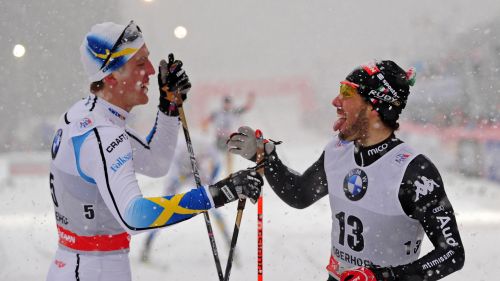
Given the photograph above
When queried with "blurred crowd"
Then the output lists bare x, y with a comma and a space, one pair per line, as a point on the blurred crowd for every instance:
461, 87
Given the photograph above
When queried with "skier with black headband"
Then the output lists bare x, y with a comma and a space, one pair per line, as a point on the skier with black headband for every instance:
384, 194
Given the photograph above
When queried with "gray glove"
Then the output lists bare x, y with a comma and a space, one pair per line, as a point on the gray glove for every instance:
240, 185
245, 143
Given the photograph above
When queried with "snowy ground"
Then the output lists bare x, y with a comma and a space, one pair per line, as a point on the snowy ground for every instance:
296, 242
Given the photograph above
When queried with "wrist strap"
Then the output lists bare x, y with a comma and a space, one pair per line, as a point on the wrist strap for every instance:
170, 110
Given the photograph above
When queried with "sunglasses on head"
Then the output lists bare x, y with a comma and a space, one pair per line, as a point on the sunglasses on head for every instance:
129, 34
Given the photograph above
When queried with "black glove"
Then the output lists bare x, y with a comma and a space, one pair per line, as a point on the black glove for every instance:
174, 85
240, 185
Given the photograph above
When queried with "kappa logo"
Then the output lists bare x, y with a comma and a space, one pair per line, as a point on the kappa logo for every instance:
85, 123
355, 184
425, 187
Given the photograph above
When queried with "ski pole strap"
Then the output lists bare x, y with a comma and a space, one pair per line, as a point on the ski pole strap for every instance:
259, 167
275, 142
241, 204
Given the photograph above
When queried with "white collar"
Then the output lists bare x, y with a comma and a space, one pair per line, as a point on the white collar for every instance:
113, 113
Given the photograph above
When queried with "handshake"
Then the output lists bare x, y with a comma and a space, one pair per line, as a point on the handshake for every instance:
246, 183
174, 85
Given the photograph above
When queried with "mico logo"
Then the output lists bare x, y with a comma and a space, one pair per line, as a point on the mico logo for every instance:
378, 149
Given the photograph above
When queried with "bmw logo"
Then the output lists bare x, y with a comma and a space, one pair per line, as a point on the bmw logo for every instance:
355, 184
56, 143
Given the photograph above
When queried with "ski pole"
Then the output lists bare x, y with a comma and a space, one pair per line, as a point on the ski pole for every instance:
234, 239
196, 175
260, 212
239, 215
260, 239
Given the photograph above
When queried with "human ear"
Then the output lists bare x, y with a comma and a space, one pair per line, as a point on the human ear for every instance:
110, 80
372, 111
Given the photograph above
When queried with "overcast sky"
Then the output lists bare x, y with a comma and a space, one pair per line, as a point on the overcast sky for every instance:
247, 39
319, 41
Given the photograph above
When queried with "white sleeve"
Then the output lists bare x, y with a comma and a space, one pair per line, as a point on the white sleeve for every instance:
153, 155
111, 164
112, 170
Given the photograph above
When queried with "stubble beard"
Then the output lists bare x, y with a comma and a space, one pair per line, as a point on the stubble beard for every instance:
359, 129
